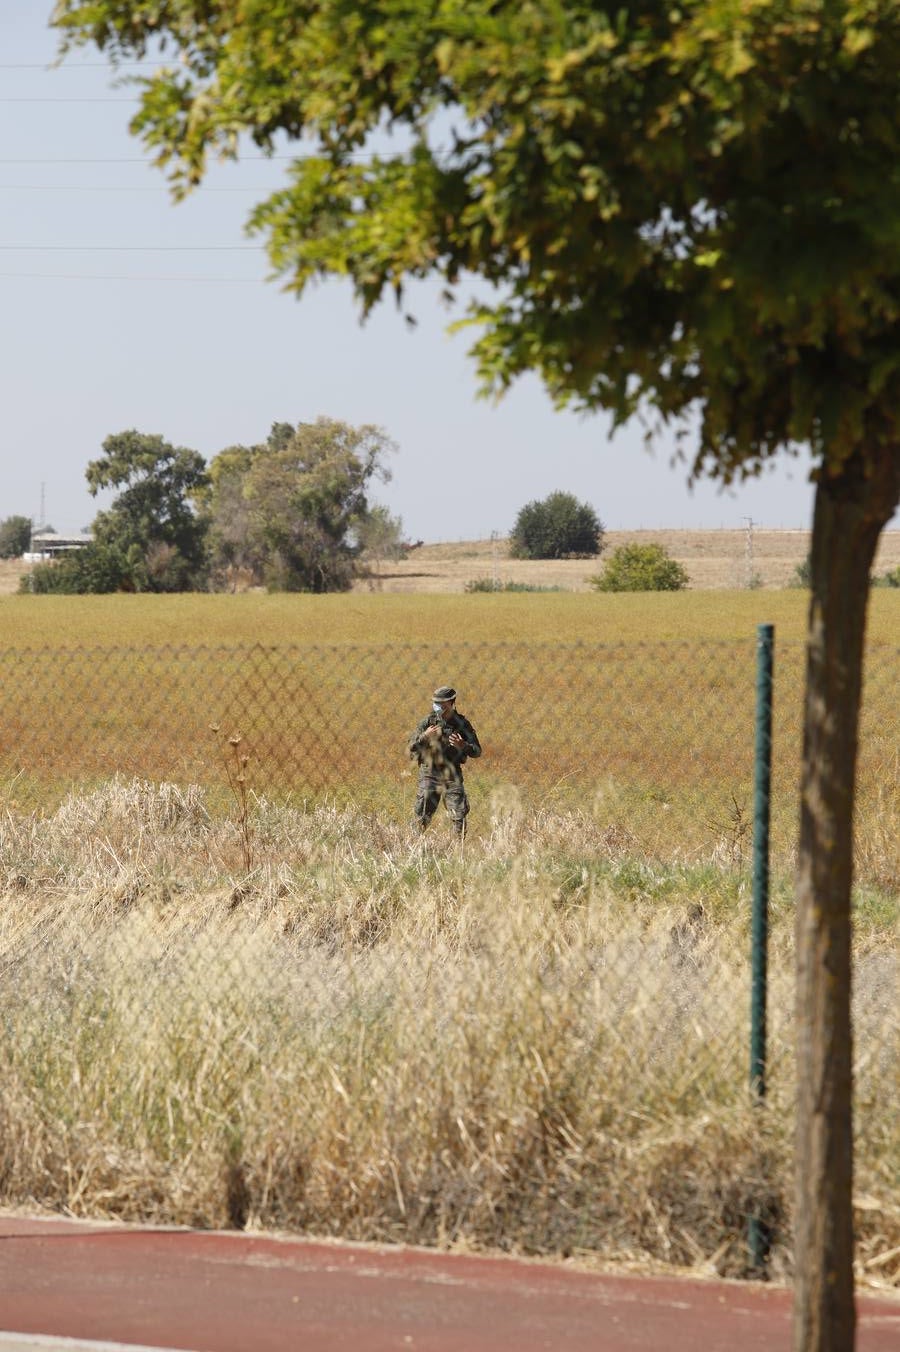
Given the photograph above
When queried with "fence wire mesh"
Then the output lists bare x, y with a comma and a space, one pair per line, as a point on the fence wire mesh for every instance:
237, 987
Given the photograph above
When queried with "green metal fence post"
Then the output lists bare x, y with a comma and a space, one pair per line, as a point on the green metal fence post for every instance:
758, 1236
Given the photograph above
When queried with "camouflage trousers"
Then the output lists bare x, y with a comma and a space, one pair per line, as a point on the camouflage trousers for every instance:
432, 787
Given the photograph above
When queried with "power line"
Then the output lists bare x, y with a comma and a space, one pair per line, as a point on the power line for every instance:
121, 277
355, 155
131, 248
26, 98
75, 187
128, 159
77, 65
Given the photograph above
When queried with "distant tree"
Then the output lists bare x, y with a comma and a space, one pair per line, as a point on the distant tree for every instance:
151, 530
559, 527
637, 567
379, 536
294, 511
234, 557
15, 537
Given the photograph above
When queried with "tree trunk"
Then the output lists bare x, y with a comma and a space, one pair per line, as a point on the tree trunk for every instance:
851, 509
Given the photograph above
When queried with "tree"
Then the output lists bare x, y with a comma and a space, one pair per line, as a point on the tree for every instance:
294, 511
151, 532
380, 537
560, 527
15, 537
636, 567
688, 209
233, 556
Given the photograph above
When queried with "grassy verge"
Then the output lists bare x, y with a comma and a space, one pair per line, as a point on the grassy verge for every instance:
539, 1046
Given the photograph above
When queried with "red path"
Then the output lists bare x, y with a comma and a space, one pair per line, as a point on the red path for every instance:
210, 1292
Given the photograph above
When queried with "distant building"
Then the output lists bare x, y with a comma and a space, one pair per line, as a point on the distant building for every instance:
48, 545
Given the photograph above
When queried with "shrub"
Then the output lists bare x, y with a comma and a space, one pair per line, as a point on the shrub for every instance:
638, 567
488, 584
802, 573
96, 568
803, 576
560, 527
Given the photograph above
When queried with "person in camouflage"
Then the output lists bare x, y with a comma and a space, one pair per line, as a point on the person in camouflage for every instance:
442, 743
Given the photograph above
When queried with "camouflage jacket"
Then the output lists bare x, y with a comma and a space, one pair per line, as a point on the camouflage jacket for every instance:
429, 751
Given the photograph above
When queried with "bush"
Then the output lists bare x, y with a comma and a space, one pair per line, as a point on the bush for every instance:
94, 569
803, 573
487, 584
803, 576
637, 567
560, 527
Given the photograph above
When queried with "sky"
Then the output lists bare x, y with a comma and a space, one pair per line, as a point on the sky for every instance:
121, 309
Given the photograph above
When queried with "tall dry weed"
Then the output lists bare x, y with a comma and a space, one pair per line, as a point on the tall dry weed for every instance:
539, 1046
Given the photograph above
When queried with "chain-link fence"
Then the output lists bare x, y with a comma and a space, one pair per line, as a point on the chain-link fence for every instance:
237, 988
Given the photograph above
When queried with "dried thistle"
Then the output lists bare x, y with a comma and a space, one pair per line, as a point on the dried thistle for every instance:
236, 770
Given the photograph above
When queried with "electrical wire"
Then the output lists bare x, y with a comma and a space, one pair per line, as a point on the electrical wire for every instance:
123, 277
130, 248
77, 187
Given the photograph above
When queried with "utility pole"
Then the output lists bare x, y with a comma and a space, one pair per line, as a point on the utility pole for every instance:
749, 521
495, 579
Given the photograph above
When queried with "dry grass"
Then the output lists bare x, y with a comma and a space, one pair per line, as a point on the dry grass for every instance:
538, 1047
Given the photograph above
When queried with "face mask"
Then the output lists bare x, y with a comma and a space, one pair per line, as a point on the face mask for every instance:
436, 708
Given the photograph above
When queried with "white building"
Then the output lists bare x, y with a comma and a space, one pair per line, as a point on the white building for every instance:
48, 545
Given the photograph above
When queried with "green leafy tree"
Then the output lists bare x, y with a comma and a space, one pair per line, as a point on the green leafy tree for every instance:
234, 557
151, 530
295, 510
559, 527
379, 536
637, 567
15, 537
689, 209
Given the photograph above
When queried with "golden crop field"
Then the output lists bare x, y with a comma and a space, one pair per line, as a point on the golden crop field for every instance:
639, 709
255, 617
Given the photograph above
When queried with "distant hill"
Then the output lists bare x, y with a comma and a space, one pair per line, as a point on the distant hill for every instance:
714, 559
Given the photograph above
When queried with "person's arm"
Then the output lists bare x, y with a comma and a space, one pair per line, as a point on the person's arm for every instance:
471, 744
424, 731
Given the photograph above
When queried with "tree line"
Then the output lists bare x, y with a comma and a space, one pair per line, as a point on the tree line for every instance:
292, 513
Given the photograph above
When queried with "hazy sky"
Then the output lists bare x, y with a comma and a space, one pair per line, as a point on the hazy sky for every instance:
125, 310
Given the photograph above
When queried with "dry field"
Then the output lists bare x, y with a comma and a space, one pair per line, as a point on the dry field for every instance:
714, 559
